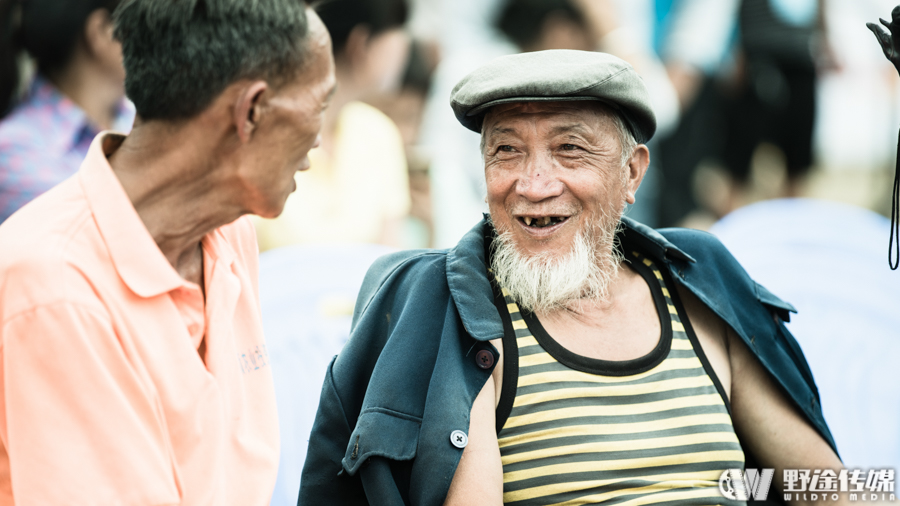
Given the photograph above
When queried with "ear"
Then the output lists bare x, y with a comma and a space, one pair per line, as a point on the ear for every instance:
98, 31
637, 168
357, 46
247, 109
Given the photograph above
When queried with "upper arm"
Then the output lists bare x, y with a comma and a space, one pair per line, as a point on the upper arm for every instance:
77, 421
712, 334
769, 426
480, 472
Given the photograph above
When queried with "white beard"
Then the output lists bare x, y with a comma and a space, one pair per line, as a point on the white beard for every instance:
544, 283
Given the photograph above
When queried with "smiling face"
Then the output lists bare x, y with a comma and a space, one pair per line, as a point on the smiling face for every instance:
553, 170
291, 121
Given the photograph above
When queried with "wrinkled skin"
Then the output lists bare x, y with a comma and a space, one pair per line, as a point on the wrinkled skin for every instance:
889, 40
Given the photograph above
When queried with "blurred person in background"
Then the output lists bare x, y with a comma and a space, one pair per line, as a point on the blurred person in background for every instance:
535, 25
761, 95
358, 188
772, 95
131, 346
406, 109
77, 92
694, 39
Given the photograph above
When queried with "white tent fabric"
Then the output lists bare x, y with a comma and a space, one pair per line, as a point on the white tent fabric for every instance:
830, 261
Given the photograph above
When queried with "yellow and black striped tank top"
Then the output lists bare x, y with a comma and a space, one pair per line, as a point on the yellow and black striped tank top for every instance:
575, 430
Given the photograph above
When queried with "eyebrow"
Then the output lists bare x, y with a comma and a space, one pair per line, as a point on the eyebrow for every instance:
500, 130
571, 128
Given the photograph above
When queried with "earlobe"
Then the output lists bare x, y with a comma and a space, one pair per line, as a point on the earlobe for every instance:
247, 110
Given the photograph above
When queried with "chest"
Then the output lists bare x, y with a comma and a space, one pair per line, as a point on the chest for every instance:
624, 329
218, 415
584, 430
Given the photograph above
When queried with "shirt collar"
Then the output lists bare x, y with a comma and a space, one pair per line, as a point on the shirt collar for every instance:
472, 292
135, 255
218, 249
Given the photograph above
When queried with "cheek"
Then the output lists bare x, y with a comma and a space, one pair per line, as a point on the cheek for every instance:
500, 184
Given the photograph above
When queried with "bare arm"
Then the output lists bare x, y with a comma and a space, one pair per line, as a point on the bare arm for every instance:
479, 476
769, 426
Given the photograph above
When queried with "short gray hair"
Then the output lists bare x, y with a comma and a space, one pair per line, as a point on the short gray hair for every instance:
179, 55
626, 139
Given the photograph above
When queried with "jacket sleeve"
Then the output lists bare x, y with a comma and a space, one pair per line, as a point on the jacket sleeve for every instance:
323, 481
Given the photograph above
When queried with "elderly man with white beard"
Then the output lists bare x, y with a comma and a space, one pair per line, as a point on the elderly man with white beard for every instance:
562, 353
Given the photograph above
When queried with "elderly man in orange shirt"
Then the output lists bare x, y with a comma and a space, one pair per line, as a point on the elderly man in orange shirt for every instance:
133, 368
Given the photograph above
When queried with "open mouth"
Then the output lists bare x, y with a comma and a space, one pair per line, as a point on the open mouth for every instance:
542, 221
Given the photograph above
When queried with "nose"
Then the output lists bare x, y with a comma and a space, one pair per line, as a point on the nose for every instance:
318, 141
538, 180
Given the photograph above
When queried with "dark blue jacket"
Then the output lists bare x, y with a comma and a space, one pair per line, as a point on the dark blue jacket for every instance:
407, 378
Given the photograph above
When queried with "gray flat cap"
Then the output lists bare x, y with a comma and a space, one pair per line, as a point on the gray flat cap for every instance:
555, 75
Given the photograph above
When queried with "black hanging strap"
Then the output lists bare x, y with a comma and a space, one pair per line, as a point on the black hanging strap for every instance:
894, 256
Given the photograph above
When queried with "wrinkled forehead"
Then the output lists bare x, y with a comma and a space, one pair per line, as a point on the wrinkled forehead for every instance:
589, 114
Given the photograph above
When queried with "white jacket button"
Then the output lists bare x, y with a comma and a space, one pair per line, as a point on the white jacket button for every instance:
459, 439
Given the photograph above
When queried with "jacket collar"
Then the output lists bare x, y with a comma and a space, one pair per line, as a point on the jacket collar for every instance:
471, 289
651, 242
469, 285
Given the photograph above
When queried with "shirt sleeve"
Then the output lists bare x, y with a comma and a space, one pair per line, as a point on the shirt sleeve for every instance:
78, 423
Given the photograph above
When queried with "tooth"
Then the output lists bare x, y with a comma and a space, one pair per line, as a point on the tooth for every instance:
545, 221
527, 220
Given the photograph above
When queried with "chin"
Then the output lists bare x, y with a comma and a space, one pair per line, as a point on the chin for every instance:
271, 209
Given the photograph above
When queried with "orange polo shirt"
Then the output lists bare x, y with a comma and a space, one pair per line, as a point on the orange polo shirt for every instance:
104, 398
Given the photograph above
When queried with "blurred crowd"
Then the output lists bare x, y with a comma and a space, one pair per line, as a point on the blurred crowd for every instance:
755, 100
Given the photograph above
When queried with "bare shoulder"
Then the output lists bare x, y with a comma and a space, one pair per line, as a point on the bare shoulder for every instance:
712, 334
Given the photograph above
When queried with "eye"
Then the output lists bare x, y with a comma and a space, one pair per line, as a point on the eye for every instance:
506, 148
569, 147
